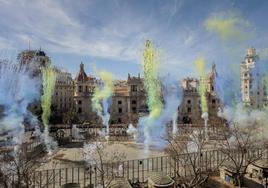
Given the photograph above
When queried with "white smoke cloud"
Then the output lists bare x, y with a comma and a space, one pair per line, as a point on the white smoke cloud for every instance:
132, 131
17, 90
171, 94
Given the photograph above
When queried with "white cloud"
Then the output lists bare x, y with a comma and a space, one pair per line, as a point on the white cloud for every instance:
116, 31
47, 24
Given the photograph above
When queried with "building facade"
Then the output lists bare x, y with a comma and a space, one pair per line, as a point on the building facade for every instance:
62, 100
83, 91
34, 59
253, 91
190, 107
128, 100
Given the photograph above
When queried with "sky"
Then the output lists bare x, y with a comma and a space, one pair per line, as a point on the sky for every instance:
111, 34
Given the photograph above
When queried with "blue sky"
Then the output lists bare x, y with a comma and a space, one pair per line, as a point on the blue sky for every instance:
111, 33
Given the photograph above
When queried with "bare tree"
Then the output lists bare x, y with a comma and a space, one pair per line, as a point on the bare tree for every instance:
18, 167
187, 149
105, 161
242, 146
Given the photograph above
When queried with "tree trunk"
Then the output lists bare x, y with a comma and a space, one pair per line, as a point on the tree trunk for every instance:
239, 179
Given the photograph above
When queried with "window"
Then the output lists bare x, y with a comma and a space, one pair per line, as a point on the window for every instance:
133, 102
86, 88
79, 102
189, 101
119, 102
134, 109
134, 88
80, 89
212, 88
79, 110
119, 120
119, 110
213, 101
189, 110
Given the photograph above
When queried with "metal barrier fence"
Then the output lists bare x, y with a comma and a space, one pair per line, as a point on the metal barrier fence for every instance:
133, 170
118, 132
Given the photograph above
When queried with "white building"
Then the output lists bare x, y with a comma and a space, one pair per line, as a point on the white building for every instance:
252, 87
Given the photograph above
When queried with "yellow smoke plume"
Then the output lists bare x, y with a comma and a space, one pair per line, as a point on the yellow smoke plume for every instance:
151, 80
202, 88
228, 26
49, 79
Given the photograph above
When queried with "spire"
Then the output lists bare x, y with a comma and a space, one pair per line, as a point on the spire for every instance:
81, 76
213, 72
214, 68
81, 66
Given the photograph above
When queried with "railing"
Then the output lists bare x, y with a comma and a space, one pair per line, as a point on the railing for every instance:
133, 170
118, 132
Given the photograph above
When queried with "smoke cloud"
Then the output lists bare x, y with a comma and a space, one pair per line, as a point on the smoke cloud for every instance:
49, 80
228, 26
18, 88
153, 90
101, 96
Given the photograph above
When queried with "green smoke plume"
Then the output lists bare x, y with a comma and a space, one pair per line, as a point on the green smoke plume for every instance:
151, 81
48, 80
152, 86
102, 93
200, 66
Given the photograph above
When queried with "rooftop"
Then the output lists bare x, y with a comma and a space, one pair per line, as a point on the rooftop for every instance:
81, 76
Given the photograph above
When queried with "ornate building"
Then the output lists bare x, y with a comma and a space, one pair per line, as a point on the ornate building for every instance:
190, 110
252, 86
34, 59
83, 90
128, 100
